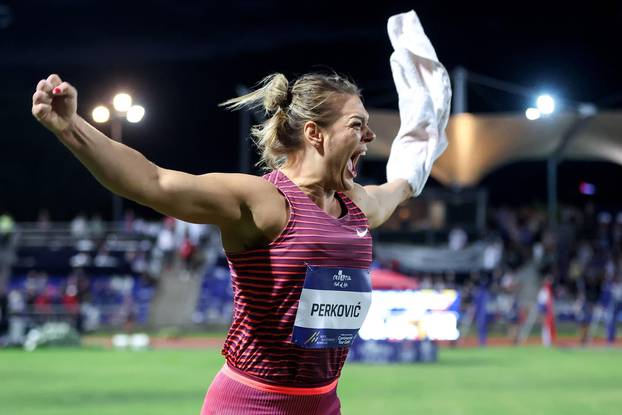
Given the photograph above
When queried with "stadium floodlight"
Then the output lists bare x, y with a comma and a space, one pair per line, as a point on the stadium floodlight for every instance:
546, 104
122, 102
135, 113
532, 114
100, 114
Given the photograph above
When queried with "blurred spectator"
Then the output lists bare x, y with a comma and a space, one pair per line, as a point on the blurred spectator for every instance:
614, 308
547, 312
4, 317
507, 299
43, 220
603, 235
80, 260
103, 259
7, 226
589, 290
492, 254
128, 221
71, 303
165, 243
187, 252
17, 321
457, 239
96, 226
79, 226
44, 300
138, 261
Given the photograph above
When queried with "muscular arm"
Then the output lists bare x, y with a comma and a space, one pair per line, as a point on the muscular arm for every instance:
210, 198
232, 201
378, 202
248, 210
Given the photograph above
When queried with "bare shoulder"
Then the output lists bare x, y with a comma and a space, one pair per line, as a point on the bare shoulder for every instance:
248, 186
358, 194
257, 195
378, 202
264, 213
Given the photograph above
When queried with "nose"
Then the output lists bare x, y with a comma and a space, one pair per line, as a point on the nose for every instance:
368, 136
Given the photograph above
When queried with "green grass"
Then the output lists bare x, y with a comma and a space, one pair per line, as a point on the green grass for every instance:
529, 380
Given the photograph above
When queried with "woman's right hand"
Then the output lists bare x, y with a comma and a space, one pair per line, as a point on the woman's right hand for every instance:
54, 104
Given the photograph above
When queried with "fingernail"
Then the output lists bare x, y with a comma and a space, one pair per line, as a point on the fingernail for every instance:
56, 90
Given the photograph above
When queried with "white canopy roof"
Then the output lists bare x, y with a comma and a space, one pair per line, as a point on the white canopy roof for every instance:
479, 144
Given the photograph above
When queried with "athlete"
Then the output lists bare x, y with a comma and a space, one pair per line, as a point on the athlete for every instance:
297, 239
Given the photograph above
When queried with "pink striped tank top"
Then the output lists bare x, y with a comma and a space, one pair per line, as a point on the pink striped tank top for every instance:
267, 286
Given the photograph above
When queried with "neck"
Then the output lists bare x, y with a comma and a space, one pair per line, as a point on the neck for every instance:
308, 178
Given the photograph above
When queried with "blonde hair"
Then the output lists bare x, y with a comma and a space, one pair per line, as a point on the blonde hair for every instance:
287, 109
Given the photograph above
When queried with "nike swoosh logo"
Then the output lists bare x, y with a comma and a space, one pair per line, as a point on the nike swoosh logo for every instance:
361, 233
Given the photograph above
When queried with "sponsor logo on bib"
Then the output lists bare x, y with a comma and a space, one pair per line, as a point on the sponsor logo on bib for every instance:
313, 338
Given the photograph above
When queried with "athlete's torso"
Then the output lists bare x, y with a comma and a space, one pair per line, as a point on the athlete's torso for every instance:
268, 282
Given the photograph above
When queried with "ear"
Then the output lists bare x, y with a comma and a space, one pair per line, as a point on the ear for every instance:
313, 134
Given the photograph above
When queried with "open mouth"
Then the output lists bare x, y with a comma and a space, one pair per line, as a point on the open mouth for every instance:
353, 162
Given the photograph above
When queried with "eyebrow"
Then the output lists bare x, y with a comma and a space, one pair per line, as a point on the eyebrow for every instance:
360, 117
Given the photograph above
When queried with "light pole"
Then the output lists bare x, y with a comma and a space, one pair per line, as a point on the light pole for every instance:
122, 108
545, 106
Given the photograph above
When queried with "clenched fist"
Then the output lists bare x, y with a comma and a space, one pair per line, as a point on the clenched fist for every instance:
54, 104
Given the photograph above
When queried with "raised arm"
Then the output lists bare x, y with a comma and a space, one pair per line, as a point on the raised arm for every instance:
424, 95
220, 199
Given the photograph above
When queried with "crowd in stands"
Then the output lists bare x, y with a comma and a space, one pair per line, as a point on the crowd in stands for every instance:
90, 273
581, 257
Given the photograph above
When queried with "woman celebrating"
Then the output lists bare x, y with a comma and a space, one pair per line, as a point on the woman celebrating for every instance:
297, 239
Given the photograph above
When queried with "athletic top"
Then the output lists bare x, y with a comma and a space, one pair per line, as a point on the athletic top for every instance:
267, 285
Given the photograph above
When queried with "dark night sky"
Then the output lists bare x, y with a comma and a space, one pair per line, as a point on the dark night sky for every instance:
180, 59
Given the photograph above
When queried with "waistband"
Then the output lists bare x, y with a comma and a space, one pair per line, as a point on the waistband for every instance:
265, 387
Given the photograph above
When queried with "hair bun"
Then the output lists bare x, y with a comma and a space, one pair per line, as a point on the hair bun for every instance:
277, 93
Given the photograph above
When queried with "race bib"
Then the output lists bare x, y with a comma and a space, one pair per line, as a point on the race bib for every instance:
332, 308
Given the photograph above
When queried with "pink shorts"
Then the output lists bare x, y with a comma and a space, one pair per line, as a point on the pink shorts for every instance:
234, 394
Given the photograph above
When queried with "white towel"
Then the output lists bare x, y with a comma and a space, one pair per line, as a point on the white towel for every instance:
424, 93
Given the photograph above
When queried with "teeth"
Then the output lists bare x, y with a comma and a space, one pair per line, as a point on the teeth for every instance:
350, 167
